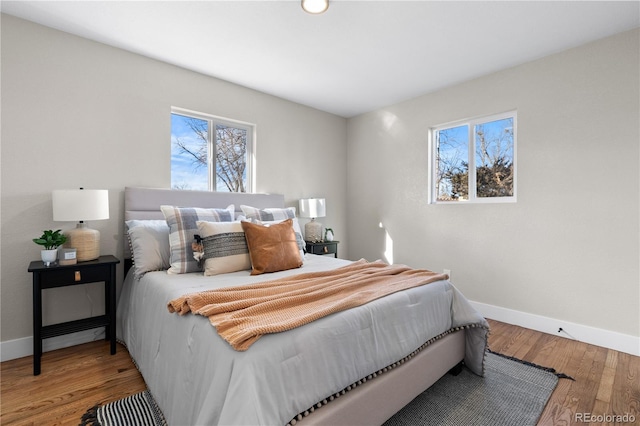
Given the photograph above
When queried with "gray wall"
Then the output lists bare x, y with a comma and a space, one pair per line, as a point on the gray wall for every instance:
569, 248
79, 113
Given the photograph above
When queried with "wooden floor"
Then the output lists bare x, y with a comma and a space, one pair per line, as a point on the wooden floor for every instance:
74, 379
607, 382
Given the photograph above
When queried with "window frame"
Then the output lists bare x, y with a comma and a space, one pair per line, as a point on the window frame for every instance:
212, 121
472, 184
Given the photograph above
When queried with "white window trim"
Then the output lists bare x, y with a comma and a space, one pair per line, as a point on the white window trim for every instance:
212, 121
473, 199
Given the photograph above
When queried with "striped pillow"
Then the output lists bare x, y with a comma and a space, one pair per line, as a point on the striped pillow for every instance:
268, 214
182, 228
225, 247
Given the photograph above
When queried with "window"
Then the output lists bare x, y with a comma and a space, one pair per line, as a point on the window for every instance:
209, 153
475, 160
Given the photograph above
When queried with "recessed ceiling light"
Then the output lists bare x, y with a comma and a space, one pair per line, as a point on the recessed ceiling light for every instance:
315, 6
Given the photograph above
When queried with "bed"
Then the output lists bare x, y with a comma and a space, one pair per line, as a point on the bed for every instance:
358, 366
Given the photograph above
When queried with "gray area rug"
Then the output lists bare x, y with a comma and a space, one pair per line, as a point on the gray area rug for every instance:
512, 393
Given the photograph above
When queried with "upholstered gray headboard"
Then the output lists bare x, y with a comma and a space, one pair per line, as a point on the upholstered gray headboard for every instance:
144, 203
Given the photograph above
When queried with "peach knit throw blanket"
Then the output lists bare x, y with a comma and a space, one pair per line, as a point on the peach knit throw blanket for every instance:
242, 314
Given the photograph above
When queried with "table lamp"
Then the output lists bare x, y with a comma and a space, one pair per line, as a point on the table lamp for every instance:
71, 205
315, 6
312, 208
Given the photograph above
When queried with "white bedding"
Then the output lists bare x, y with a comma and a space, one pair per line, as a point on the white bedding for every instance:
198, 379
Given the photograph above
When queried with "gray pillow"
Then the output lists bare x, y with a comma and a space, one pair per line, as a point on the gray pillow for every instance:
149, 240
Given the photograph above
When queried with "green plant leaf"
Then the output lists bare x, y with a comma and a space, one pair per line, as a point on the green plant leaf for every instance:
51, 239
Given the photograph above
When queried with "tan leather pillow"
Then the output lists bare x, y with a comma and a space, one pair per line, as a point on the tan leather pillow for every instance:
272, 248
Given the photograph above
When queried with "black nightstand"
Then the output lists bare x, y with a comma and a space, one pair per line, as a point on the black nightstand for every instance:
101, 269
323, 247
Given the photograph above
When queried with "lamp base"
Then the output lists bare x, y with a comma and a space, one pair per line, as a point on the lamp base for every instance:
85, 240
313, 231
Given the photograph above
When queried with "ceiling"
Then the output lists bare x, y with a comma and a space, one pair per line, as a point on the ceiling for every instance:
357, 57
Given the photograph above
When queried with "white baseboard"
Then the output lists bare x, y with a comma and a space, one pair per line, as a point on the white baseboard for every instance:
594, 336
18, 348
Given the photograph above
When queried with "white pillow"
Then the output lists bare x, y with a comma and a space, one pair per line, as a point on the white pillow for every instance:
149, 241
225, 247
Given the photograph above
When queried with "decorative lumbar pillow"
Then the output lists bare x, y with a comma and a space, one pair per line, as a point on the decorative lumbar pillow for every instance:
183, 227
225, 247
149, 240
272, 248
274, 215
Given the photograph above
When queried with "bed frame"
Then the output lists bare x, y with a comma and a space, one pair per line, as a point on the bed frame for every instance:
369, 403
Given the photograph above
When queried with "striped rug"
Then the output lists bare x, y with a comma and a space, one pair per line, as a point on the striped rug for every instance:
136, 410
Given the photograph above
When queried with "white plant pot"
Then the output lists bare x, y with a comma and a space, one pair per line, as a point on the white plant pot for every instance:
329, 236
49, 256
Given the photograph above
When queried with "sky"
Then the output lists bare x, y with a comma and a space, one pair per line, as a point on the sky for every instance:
183, 172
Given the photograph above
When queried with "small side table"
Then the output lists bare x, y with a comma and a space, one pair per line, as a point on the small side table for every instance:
101, 269
323, 247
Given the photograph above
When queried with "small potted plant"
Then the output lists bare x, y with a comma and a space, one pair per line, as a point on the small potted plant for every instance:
50, 240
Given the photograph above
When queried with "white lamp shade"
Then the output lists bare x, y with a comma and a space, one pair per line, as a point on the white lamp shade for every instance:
72, 205
312, 207
315, 6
